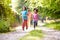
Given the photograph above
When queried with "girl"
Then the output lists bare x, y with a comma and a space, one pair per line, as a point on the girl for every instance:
24, 18
35, 17
29, 17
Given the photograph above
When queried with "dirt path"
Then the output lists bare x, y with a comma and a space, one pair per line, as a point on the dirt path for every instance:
15, 35
50, 34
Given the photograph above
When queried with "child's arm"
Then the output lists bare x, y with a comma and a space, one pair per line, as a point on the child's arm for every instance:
21, 14
38, 17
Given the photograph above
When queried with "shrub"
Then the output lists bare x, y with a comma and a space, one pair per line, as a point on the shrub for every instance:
4, 26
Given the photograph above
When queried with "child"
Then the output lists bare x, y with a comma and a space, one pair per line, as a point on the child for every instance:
35, 17
29, 17
24, 18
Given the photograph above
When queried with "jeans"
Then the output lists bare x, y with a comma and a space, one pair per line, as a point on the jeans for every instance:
35, 24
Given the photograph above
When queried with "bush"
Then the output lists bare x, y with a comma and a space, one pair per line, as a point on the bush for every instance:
4, 26
54, 25
7, 17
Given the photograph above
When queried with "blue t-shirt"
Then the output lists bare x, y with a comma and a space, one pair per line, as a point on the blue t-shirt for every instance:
24, 15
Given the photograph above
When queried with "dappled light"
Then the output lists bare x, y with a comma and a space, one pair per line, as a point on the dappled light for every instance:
29, 19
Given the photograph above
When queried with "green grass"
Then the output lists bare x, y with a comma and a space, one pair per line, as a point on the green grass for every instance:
33, 35
54, 25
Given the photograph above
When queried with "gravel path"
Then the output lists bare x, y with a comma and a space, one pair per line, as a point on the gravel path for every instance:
15, 35
50, 34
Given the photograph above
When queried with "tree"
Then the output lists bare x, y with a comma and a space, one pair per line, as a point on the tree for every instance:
50, 8
53, 6
6, 13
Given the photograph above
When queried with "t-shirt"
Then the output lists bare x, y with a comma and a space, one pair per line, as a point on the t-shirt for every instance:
24, 15
35, 17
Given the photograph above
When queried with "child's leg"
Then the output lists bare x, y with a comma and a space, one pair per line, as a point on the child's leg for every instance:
23, 25
26, 24
34, 24
31, 22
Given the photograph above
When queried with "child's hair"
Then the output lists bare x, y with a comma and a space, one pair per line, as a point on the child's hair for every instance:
29, 9
36, 9
25, 7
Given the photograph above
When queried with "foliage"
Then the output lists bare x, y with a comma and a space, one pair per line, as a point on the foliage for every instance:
36, 33
56, 25
7, 16
50, 8
53, 8
4, 26
33, 35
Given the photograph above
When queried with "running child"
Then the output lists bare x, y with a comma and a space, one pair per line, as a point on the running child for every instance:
35, 17
24, 18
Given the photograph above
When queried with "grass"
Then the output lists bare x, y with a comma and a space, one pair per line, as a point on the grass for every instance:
33, 35
54, 25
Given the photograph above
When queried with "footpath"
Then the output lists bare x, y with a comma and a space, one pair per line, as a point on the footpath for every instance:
49, 34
